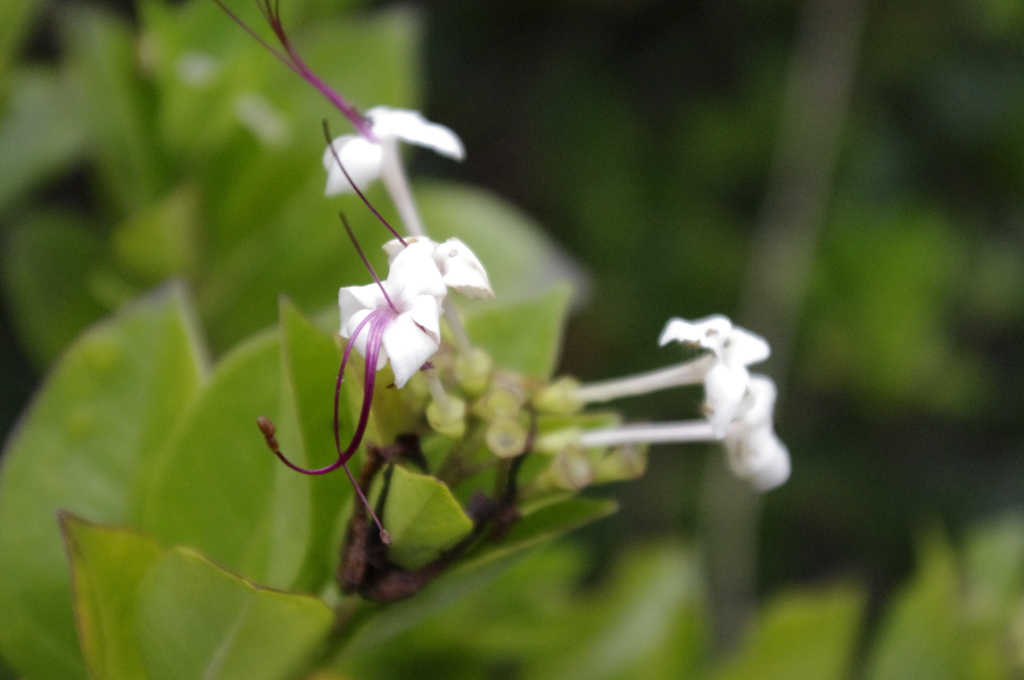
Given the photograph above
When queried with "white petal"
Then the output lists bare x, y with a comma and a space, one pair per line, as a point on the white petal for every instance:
710, 332
776, 472
394, 246
725, 390
414, 273
425, 311
744, 348
462, 271
354, 299
762, 412
362, 160
760, 458
412, 127
408, 347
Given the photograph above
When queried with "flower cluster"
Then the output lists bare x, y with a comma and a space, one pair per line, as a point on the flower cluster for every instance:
459, 394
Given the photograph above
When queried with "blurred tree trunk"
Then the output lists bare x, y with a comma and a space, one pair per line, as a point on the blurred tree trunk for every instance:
797, 196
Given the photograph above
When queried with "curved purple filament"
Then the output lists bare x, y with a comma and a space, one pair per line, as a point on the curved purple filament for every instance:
378, 321
366, 262
272, 13
366, 201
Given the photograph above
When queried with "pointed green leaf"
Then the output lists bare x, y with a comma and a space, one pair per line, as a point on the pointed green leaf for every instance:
212, 486
195, 620
523, 336
310, 360
648, 626
163, 239
422, 517
921, 635
90, 435
809, 634
521, 260
40, 132
51, 304
107, 566
103, 62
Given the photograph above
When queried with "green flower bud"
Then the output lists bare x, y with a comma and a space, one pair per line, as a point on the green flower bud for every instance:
559, 397
621, 463
473, 371
500, 403
571, 469
554, 442
448, 417
506, 438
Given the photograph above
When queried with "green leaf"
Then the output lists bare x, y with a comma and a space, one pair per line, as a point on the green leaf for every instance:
521, 260
215, 478
481, 568
994, 569
89, 437
808, 634
921, 635
15, 19
162, 240
107, 566
648, 627
310, 360
39, 133
195, 620
523, 336
422, 517
51, 303
102, 61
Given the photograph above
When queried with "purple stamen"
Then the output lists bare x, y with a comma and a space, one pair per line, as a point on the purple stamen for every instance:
291, 59
367, 262
337, 159
378, 321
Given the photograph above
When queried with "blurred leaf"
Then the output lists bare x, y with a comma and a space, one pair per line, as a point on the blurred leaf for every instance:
805, 635
50, 262
91, 434
212, 486
880, 303
520, 258
524, 614
994, 569
480, 569
310, 361
106, 567
922, 634
650, 627
994, 576
162, 240
523, 336
110, 98
15, 21
40, 133
196, 620
422, 517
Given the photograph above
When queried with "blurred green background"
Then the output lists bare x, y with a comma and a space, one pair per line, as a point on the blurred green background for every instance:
845, 177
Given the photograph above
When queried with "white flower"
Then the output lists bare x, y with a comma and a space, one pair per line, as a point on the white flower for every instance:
755, 453
459, 267
407, 333
363, 159
726, 384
